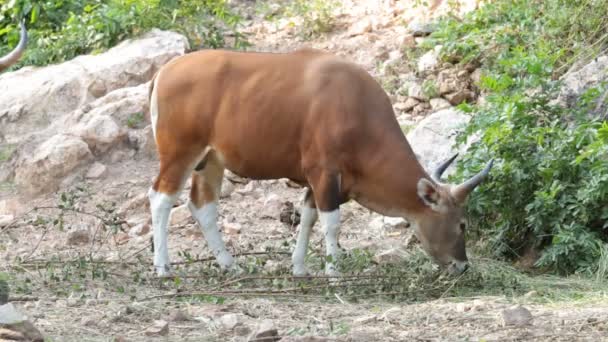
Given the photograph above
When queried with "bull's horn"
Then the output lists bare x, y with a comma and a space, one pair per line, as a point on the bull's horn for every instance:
14, 55
461, 191
441, 168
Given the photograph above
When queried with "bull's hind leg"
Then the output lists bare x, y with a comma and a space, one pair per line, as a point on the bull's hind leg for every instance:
162, 196
307, 221
204, 199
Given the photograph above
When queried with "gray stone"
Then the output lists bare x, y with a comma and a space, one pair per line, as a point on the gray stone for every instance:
516, 316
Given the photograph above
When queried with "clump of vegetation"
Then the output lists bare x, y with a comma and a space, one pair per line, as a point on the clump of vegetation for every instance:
317, 16
61, 30
549, 186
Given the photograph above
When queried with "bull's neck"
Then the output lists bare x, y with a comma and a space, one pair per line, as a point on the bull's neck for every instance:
395, 190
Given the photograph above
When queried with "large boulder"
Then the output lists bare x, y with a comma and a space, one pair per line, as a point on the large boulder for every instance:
33, 97
433, 139
577, 81
54, 159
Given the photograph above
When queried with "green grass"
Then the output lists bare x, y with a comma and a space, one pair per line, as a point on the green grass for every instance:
6, 151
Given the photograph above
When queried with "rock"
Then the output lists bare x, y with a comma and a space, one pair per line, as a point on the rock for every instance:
360, 27
421, 108
180, 216
447, 86
272, 206
230, 321
289, 215
313, 339
11, 206
516, 315
50, 163
439, 103
143, 141
396, 222
272, 266
194, 233
121, 238
406, 106
232, 228
31, 93
139, 202
179, 316
576, 81
101, 133
365, 319
459, 97
415, 91
242, 330
419, 28
160, 328
476, 76
248, 189
463, 307
392, 255
377, 223
6, 220
433, 139
139, 230
88, 322
78, 237
430, 60
96, 171
15, 326
265, 331
227, 189
408, 41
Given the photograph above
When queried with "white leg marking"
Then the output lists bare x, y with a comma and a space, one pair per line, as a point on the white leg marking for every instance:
160, 206
154, 105
207, 219
307, 221
330, 221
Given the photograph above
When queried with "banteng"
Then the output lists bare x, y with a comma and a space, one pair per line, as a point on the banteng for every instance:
308, 116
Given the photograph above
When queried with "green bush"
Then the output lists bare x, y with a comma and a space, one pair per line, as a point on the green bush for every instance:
549, 186
63, 29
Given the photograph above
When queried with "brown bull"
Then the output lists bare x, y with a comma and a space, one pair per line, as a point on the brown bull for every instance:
308, 116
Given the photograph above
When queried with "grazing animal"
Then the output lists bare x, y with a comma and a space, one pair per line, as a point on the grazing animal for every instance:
307, 116
13, 56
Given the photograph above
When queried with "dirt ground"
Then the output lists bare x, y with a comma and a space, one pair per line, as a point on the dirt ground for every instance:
118, 298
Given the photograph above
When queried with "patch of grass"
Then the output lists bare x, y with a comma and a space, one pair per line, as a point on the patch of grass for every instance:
135, 120
429, 88
317, 16
6, 151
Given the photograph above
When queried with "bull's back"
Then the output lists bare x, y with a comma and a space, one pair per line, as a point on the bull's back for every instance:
263, 111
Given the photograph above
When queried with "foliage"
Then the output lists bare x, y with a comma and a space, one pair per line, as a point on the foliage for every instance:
549, 186
317, 16
61, 30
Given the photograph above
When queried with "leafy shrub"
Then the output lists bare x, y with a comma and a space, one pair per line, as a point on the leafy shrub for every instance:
317, 16
61, 30
549, 186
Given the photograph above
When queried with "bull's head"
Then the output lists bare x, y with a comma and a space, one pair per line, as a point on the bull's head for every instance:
441, 228
14, 55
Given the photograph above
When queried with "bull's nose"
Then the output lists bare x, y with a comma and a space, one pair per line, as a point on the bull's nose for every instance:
458, 267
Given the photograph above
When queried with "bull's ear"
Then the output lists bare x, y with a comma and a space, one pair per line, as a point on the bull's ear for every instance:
427, 191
